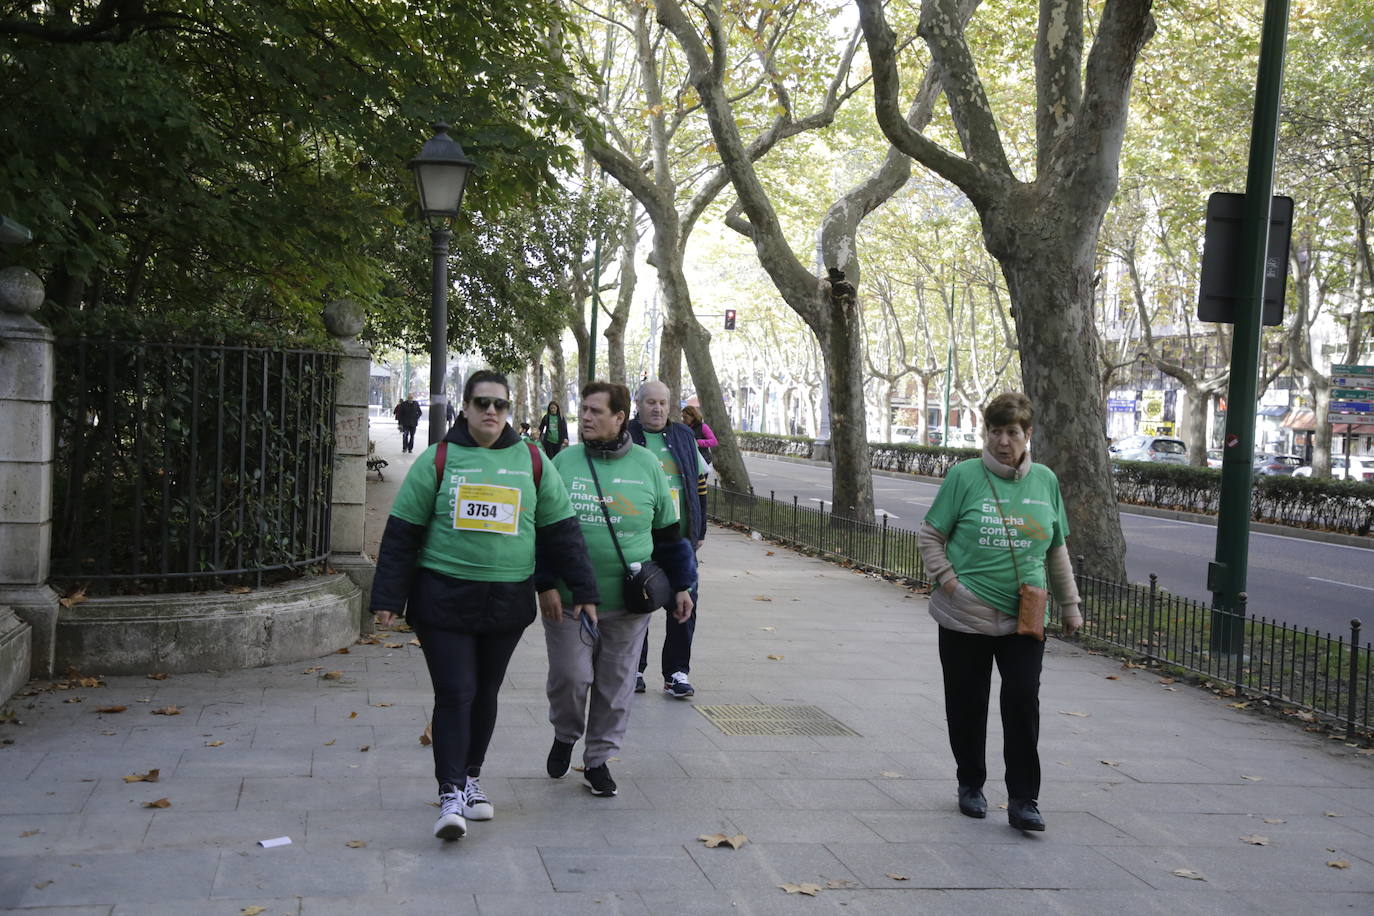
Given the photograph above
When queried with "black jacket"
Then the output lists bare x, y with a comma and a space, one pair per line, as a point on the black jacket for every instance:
409, 413
562, 426
682, 445
431, 598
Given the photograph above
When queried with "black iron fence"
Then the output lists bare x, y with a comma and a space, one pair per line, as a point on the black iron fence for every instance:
1317, 674
180, 467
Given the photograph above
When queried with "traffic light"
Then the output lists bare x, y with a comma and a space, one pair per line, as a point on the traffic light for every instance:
729, 319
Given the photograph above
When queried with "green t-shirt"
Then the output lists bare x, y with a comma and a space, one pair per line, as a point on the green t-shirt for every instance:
657, 443
967, 514
481, 521
551, 431
638, 499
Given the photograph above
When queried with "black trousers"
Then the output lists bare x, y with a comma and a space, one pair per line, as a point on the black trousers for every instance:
466, 672
966, 659
552, 448
677, 642
407, 438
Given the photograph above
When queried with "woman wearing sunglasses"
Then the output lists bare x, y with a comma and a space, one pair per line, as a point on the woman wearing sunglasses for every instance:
629, 516
457, 559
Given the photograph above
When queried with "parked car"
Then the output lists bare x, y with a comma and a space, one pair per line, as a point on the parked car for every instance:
1163, 449
1214, 457
1268, 464
1357, 467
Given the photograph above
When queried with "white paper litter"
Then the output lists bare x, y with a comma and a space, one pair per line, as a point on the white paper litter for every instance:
275, 841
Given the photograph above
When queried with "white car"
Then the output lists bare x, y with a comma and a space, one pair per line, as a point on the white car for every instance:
1357, 467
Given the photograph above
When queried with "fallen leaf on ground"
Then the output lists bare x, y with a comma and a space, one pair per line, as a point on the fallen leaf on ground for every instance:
402, 627
776, 658
1112, 677
1244, 705
414, 642
837, 883
72, 700
356, 844
160, 676
1338, 863
330, 742
29, 833
1252, 778
382, 705
1275, 820
253, 910
312, 669
768, 629
1365, 751
1069, 712
888, 774
343, 651
712, 840
332, 675
214, 743
762, 598
1255, 840
1188, 873
150, 776
42, 884
427, 736
160, 803
1331, 814
809, 890
768, 553
353, 715
166, 711
392, 645
365, 748
76, 596
1166, 680
1112, 763
238, 590
896, 877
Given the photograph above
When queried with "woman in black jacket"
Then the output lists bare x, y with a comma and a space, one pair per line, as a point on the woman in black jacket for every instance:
457, 559
553, 430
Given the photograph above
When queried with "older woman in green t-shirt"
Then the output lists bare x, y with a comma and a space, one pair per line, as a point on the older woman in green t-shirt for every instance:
622, 499
997, 522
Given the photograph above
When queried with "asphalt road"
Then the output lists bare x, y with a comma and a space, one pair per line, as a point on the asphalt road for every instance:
1299, 582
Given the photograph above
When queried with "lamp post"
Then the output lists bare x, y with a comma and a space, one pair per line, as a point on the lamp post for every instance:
441, 172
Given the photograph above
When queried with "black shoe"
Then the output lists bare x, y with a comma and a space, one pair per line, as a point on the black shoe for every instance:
560, 759
599, 781
640, 686
972, 803
1024, 815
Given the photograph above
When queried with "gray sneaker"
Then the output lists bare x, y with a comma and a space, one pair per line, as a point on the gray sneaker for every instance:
475, 804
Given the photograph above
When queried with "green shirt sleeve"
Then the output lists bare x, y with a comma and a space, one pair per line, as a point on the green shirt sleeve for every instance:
665, 507
1061, 521
552, 504
415, 500
949, 500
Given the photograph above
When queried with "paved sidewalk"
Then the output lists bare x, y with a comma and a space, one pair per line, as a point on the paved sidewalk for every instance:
1141, 781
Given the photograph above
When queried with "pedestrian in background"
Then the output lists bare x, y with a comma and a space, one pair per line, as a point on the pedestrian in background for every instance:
675, 447
408, 413
997, 523
628, 517
553, 430
706, 440
457, 560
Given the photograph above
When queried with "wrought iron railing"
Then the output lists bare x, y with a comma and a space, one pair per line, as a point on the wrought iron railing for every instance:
1322, 674
180, 467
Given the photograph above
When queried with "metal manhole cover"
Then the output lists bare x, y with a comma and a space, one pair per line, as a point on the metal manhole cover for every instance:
779, 721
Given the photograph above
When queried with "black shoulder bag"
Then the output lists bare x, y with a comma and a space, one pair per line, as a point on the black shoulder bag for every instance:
646, 589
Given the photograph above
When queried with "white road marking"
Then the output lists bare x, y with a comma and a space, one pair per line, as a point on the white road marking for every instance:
1337, 582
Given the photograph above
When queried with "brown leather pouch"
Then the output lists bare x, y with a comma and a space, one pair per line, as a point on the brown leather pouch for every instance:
1030, 613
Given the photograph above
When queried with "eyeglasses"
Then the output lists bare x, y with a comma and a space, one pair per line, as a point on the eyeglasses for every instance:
483, 403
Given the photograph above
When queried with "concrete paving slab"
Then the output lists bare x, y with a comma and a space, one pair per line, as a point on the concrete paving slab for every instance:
236, 831
294, 793
469, 866
623, 869
404, 901
565, 904
80, 879
293, 870
115, 796
761, 867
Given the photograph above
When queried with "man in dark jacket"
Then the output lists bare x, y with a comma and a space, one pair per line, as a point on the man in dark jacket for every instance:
675, 446
408, 414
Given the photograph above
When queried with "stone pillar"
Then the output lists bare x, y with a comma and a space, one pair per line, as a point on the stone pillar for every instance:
344, 320
26, 471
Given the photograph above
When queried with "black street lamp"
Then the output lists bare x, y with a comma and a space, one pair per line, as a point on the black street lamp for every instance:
441, 172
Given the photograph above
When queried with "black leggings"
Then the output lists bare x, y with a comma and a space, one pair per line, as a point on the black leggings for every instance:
466, 672
966, 659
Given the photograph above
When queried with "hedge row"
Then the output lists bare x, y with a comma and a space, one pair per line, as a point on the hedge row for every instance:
1342, 506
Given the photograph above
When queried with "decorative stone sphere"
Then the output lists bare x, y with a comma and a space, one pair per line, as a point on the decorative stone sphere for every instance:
21, 291
344, 318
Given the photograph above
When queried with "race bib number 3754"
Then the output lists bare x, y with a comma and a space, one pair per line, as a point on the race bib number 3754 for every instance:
481, 507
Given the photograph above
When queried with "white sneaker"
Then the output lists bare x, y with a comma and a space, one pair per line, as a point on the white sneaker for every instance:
450, 825
475, 804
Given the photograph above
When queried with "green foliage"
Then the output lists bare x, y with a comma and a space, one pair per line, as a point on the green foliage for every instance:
248, 157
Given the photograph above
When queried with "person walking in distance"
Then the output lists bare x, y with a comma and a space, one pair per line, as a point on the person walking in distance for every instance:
457, 559
408, 415
675, 446
628, 517
553, 430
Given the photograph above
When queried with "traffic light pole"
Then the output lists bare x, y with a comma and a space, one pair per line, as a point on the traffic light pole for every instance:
1226, 577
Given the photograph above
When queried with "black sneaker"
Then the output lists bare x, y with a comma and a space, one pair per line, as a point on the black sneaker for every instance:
1023, 814
677, 685
599, 781
560, 759
640, 686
